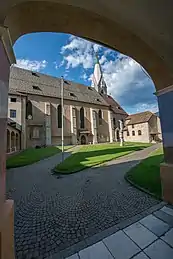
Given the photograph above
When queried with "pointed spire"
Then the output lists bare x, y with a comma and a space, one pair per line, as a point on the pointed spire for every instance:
96, 59
98, 80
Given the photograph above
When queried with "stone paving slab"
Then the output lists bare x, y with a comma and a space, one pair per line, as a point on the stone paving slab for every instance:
140, 235
141, 256
168, 237
75, 256
121, 246
164, 217
157, 226
159, 250
167, 210
97, 250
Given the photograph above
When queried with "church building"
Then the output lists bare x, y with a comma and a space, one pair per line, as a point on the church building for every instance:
35, 111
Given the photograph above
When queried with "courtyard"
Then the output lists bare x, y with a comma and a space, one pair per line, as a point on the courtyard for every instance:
56, 212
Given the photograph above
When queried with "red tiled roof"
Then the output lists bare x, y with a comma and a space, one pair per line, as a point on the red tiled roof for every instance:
139, 117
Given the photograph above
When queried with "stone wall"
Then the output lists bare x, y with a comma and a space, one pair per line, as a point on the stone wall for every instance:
144, 137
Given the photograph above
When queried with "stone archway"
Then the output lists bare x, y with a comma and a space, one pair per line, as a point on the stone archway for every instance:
13, 141
120, 25
8, 141
83, 140
17, 142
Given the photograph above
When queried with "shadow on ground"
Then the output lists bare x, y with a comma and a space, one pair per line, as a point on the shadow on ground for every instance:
84, 159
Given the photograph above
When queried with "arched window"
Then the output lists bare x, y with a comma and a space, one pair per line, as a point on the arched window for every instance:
114, 122
82, 118
59, 111
133, 133
100, 117
139, 133
128, 133
13, 141
29, 110
8, 141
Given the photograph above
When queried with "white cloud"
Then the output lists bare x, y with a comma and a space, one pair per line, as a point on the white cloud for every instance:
144, 107
103, 59
84, 76
33, 65
79, 52
128, 83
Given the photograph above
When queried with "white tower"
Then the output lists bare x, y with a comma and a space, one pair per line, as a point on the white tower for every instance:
98, 81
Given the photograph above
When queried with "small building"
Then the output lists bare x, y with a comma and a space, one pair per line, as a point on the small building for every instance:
143, 127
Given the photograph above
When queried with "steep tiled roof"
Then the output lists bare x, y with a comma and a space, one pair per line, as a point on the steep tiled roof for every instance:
113, 104
27, 82
139, 117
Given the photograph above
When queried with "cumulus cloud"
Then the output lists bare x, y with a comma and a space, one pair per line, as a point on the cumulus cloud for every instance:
128, 83
79, 52
125, 79
84, 76
33, 65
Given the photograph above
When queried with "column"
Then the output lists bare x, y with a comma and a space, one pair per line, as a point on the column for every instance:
110, 126
6, 207
165, 101
48, 134
23, 120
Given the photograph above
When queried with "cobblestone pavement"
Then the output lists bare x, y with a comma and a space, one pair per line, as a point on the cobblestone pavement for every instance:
53, 213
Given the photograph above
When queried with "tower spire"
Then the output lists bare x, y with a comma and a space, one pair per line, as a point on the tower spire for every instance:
98, 81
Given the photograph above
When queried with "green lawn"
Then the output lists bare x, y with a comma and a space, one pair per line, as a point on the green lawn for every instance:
91, 155
32, 155
146, 175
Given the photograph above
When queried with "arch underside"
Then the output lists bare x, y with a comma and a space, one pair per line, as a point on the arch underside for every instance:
47, 16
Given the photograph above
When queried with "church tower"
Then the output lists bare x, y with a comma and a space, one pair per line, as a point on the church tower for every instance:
98, 81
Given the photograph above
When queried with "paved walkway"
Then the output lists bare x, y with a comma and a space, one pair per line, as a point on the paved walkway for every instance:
52, 214
151, 237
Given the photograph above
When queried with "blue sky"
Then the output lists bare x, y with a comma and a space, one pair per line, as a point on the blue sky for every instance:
59, 54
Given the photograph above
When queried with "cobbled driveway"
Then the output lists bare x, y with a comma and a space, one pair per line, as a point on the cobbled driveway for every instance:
52, 213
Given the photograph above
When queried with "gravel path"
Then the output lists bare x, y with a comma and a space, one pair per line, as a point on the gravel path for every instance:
53, 213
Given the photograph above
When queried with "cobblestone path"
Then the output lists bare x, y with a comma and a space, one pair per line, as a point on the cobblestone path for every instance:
52, 213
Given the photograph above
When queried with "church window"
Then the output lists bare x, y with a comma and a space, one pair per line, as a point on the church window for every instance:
133, 133
82, 118
100, 117
35, 132
35, 87
133, 126
72, 94
139, 133
35, 74
98, 100
28, 110
12, 113
47, 109
114, 122
13, 99
128, 133
59, 111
